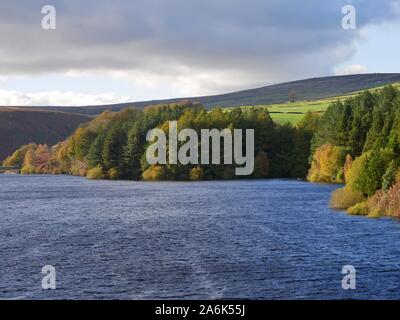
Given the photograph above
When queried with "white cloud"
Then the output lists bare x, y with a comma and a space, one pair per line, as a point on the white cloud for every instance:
58, 98
351, 69
3, 80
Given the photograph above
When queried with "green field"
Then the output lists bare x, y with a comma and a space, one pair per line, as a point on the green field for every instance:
293, 112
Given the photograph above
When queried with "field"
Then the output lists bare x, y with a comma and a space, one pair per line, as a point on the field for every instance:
293, 112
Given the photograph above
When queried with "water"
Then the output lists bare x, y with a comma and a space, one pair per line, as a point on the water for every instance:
271, 239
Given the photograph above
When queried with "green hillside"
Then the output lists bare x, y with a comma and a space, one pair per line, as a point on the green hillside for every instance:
292, 112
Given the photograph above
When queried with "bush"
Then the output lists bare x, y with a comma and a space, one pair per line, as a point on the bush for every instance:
345, 198
154, 173
29, 169
79, 168
375, 213
56, 171
197, 173
39, 170
359, 209
95, 173
386, 202
113, 173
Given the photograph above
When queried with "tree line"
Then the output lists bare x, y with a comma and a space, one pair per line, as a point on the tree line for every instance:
113, 145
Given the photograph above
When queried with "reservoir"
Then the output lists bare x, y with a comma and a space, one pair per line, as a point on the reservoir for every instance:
258, 239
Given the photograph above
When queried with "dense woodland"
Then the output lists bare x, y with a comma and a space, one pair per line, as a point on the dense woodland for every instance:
357, 142
114, 144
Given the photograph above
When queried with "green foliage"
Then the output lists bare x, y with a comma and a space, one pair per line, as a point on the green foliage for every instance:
370, 178
261, 165
389, 177
369, 126
114, 145
94, 156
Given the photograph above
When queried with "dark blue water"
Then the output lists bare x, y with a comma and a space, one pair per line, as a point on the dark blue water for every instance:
271, 239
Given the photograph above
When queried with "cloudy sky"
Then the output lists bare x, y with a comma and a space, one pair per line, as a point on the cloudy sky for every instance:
128, 50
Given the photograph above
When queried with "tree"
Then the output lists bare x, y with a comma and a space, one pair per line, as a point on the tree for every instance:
375, 166
389, 177
113, 146
95, 152
261, 165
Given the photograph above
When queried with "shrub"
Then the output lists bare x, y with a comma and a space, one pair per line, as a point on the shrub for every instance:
375, 213
359, 209
56, 171
95, 173
154, 173
39, 170
113, 173
79, 168
197, 173
28, 169
386, 202
344, 198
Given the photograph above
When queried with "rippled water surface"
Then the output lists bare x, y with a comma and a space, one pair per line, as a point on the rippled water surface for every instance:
271, 239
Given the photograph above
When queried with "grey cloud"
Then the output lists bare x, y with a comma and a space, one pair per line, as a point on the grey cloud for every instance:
256, 39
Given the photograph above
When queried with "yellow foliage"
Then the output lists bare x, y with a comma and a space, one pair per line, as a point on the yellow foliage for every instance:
358, 209
95, 173
28, 169
30, 158
154, 173
113, 173
79, 168
41, 149
344, 198
355, 170
197, 173
17, 158
327, 165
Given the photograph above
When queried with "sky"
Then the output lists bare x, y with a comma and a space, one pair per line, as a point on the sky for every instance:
103, 52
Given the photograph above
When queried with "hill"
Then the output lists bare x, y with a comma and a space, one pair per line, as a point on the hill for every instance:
308, 89
20, 126
293, 112
49, 125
